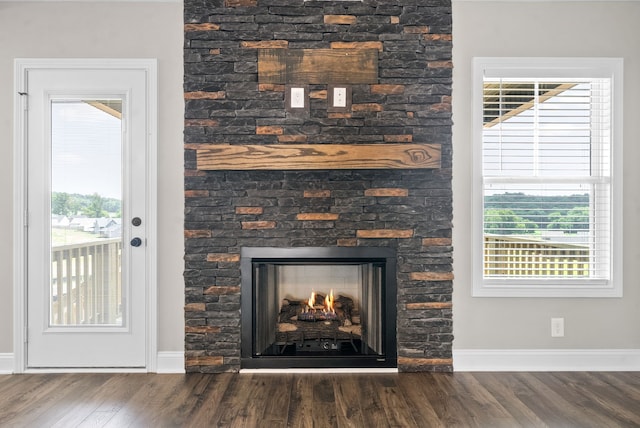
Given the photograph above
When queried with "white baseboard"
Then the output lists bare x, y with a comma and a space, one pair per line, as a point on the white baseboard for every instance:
473, 360
167, 362
170, 362
6, 363
529, 360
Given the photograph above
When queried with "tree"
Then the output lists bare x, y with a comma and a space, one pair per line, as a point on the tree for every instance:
95, 207
506, 222
61, 203
112, 205
575, 219
536, 207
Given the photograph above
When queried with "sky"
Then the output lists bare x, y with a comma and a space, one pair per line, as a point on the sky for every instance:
86, 150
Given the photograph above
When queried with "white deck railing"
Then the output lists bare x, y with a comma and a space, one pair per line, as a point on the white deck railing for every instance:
86, 285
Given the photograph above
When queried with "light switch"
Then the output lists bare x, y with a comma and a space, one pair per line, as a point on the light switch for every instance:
297, 98
339, 97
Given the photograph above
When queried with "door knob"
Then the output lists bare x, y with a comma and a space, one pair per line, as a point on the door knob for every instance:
136, 242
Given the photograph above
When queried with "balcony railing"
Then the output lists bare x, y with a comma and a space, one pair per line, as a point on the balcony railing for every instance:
86, 284
517, 256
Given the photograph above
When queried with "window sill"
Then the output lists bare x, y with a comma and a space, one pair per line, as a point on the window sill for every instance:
595, 289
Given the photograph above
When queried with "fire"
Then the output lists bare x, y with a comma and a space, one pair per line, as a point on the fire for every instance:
312, 300
328, 303
322, 312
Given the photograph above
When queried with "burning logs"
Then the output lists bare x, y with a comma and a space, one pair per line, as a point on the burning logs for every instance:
319, 316
318, 308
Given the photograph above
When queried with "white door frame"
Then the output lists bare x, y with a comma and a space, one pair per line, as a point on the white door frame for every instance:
22, 66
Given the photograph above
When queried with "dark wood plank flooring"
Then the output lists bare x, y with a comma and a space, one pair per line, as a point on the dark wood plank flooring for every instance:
576, 399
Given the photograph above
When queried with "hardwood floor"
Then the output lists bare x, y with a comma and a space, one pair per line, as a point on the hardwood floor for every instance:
576, 399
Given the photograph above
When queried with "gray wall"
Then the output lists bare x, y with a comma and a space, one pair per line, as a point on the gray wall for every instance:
588, 29
101, 30
75, 29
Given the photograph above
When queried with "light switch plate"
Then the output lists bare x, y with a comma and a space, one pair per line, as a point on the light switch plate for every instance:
297, 98
339, 98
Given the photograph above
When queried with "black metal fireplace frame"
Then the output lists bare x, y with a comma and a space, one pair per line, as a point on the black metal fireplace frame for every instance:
250, 255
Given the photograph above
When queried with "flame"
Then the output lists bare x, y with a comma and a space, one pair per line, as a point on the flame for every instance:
328, 302
312, 300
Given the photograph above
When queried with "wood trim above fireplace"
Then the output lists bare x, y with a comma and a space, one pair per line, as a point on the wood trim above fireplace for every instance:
318, 156
319, 66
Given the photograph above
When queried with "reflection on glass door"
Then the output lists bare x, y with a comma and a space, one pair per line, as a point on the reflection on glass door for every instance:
86, 213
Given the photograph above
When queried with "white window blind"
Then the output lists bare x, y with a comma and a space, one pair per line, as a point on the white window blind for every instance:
546, 180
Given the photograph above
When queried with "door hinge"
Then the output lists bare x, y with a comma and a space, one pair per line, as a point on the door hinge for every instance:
26, 335
26, 219
26, 99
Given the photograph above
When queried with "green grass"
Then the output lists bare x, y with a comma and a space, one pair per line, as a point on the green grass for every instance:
70, 236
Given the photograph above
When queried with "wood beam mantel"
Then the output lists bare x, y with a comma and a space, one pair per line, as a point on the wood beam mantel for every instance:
318, 156
318, 66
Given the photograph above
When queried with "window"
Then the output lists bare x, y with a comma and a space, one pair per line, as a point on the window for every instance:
547, 177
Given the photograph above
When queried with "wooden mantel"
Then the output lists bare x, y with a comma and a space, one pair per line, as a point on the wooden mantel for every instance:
318, 66
318, 156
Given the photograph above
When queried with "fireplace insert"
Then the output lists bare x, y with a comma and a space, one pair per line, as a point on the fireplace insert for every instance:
318, 307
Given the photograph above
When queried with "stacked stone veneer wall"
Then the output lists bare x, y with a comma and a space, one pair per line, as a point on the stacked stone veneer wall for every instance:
409, 210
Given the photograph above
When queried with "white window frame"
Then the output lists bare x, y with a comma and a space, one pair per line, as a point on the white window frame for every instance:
538, 68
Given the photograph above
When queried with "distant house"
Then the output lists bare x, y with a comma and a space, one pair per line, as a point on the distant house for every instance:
84, 224
104, 227
60, 221
110, 227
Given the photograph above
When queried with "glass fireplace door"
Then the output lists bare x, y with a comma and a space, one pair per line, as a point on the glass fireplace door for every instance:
318, 313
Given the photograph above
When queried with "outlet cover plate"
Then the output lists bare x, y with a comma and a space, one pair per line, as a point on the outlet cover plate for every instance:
339, 98
557, 327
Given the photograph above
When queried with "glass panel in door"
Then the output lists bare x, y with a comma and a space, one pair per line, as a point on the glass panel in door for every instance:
86, 213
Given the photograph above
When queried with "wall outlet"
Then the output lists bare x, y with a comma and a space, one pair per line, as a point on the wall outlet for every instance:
557, 327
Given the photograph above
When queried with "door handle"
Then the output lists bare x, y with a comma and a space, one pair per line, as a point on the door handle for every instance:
136, 242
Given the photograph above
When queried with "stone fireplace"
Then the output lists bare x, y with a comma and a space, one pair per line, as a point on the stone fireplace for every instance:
266, 199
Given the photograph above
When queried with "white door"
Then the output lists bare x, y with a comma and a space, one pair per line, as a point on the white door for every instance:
87, 216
